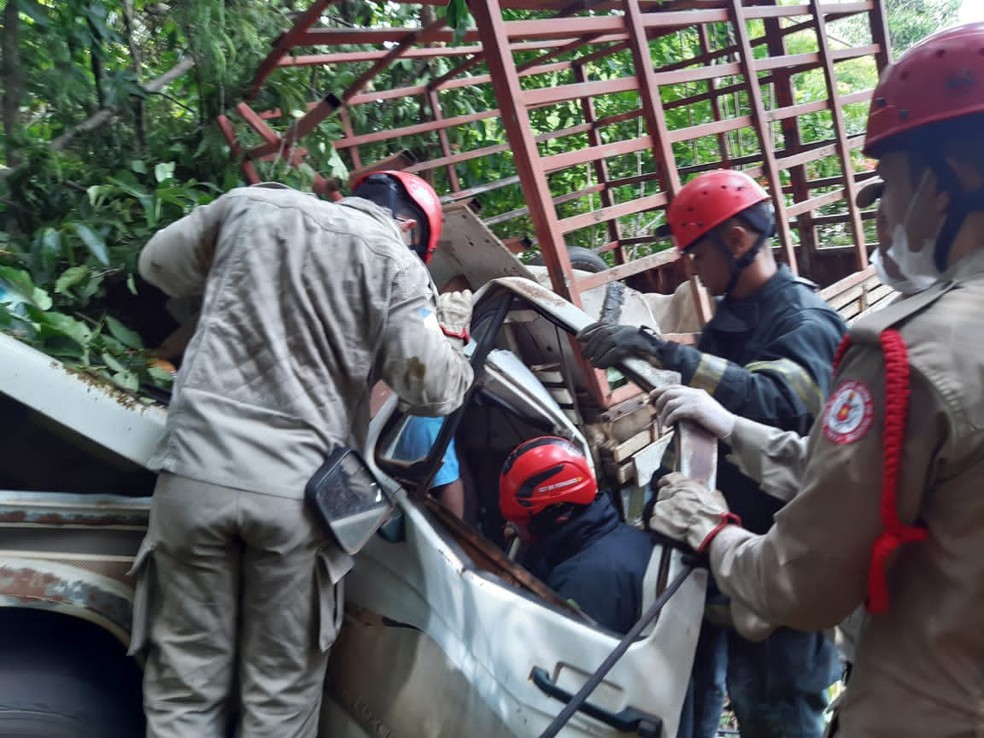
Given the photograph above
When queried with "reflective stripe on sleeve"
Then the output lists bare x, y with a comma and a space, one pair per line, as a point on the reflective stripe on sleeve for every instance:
798, 379
709, 372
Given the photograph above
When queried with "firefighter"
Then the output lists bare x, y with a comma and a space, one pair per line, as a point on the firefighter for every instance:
306, 305
578, 545
766, 354
888, 509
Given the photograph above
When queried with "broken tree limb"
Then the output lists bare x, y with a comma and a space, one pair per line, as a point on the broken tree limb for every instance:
105, 115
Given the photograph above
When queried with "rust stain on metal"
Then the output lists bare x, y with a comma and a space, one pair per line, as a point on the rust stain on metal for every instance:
30, 585
537, 293
93, 518
121, 396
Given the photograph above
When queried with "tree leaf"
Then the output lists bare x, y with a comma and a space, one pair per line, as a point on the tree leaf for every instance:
164, 171
129, 338
55, 324
112, 362
70, 278
96, 245
127, 380
19, 283
139, 166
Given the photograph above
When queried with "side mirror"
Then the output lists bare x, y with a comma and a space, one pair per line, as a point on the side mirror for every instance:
348, 500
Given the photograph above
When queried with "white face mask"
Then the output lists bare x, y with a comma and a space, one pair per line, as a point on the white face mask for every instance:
917, 268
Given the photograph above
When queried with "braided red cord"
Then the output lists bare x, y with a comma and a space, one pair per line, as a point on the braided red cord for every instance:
842, 348
894, 532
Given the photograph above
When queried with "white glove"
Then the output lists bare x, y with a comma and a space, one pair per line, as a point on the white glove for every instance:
678, 403
688, 511
454, 312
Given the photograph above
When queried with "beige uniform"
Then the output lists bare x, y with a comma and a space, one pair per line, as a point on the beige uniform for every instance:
305, 305
919, 668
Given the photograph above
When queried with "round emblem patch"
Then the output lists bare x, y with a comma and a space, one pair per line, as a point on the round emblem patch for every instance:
849, 413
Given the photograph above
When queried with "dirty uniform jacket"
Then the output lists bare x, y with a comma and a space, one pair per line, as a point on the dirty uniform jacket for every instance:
918, 668
597, 561
306, 304
766, 357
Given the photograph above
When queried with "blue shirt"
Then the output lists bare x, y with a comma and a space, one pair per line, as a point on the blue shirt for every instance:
416, 441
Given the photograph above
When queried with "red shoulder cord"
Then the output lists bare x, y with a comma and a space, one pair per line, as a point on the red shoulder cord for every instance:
894, 533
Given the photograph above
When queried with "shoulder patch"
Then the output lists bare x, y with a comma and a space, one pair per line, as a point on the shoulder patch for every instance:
849, 413
429, 318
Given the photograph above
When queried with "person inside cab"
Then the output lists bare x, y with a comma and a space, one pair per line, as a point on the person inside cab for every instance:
576, 542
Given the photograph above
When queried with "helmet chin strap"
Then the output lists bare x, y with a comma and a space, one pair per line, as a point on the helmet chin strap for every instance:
962, 204
738, 265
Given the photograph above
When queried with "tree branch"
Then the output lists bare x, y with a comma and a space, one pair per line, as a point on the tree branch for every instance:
107, 114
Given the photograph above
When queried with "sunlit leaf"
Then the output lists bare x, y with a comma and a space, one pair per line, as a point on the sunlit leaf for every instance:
95, 244
127, 380
55, 324
18, 283
70, 278
164, 171
124, 335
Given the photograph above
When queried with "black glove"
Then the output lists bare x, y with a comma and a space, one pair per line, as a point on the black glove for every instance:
606, 344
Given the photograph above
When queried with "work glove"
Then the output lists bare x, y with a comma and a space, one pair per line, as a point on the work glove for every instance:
607, 344
678, 403
687, 511
454, 312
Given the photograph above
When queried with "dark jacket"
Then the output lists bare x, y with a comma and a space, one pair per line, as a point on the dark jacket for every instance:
597, 561
767, 357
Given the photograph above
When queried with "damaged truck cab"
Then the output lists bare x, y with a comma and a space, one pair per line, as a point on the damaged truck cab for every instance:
444, 633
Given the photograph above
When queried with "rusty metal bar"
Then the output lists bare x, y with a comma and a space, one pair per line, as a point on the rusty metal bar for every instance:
583, 156
840, 132
645, 263
764, 132
851, 280
722, 138
370, 55
285, 42
249, 171
346, 121
566, 93
324, 108
257, 123
785, 98
424, 35
786, 11
505, 81
879, 34
442, 135
814, 202
600, 166
594, 217
652, 104
428, 127
711, 128
818, 151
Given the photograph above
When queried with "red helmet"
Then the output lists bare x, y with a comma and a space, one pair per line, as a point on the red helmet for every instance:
541, 472
408, 188
708, 200
938, 79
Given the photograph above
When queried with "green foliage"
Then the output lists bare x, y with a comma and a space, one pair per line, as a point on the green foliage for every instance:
910, 21
75, 218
